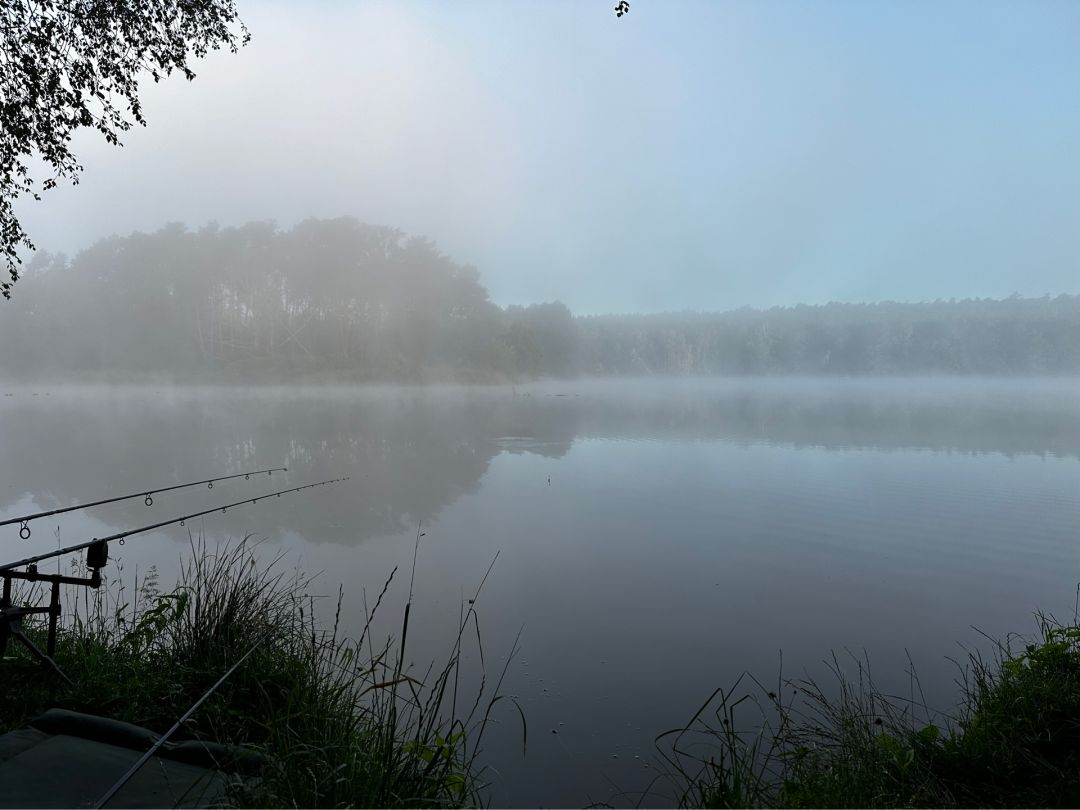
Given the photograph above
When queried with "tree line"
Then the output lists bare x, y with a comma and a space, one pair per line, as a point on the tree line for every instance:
341, 300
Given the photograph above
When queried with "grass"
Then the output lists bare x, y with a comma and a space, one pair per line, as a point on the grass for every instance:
339, 721
1014, 740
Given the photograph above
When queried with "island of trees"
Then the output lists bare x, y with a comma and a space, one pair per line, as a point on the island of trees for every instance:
338, 300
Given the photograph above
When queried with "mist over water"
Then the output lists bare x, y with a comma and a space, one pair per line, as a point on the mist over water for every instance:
340, 301
734, 334
655, 539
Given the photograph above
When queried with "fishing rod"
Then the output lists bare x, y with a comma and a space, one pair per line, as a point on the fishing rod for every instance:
97, 557
123, 780
146, 494
100, 542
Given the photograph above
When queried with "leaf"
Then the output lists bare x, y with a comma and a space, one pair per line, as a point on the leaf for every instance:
929, 734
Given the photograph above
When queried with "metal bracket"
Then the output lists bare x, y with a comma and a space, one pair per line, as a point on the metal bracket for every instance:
11, 616
11, 627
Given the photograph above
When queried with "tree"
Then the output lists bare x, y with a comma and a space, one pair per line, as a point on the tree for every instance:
66, 65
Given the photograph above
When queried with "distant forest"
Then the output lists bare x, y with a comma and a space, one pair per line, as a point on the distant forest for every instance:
338, 300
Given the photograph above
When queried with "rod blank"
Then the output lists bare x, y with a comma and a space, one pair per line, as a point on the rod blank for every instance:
142, 493
123, 780
142, 529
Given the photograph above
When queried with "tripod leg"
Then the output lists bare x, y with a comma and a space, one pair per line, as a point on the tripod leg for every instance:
54, 614
5, 602
17, 634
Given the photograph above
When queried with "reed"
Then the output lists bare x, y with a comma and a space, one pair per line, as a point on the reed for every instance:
339, 720
1013, 741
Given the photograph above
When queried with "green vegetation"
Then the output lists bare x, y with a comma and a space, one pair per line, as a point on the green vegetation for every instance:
71, 66
341, 301
1014, 742
340, 722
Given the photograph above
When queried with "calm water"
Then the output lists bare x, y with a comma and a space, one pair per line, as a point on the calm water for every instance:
655, 539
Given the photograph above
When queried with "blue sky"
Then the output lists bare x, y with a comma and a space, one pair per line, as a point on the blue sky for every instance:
703, 155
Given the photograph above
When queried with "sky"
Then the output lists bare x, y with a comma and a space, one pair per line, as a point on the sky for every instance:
690, 155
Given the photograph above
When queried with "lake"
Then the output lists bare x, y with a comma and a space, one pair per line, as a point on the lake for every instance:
655, 538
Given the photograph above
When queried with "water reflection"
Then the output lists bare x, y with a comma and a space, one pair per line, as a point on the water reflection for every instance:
413, 451
655, 538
